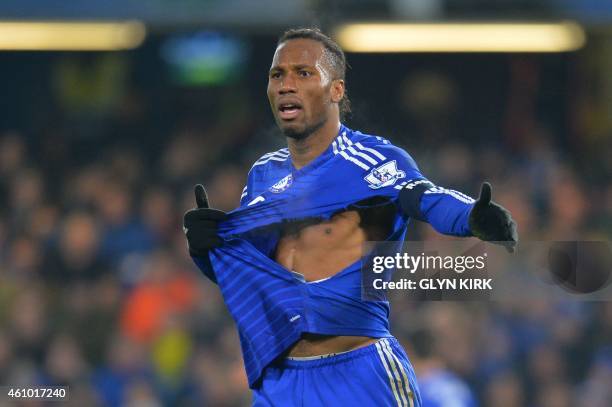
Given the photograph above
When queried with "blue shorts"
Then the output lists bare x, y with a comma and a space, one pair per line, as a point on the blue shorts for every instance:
375, 375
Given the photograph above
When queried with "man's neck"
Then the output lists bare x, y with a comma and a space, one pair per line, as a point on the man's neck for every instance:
306, 150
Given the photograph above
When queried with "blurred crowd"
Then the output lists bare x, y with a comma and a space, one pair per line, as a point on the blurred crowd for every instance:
97, 291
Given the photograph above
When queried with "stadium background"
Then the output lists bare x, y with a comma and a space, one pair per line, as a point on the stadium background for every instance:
99, 152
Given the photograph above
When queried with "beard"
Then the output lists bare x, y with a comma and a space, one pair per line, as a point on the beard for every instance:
301, 134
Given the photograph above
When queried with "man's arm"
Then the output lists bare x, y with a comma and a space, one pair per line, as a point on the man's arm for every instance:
454, 213
448, 211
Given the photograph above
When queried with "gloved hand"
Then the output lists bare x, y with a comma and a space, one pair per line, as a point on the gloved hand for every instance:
492, 222
200, 225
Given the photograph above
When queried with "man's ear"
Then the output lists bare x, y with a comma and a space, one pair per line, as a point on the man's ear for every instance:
337, 90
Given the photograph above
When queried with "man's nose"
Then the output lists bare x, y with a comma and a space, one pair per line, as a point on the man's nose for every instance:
287, 85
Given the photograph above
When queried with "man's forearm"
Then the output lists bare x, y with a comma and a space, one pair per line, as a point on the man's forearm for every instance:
446, 210
448, 213
454, 213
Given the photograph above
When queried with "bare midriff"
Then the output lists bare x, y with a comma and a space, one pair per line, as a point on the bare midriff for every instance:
318, 252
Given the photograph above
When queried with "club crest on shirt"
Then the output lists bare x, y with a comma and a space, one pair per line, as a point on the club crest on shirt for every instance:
385, 175
282, 185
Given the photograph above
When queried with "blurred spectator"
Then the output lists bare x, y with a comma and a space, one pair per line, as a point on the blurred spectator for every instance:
77, 255
505, 390
64, 362
162, 292
29, 325
126, 368
439, 386
125, 231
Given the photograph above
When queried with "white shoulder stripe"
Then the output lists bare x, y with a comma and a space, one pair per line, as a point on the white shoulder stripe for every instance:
354, 160
273, 154
362, 155
346, 139
350, 148
370, 150
344, 146
272, 158
278, 155
340, 143
347, 157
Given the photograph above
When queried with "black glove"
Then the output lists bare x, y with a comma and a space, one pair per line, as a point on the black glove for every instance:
200, 225
492, 222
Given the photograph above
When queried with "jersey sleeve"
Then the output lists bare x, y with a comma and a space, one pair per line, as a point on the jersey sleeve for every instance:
247, 192
388, 167
446, 210
244, 197
258, 171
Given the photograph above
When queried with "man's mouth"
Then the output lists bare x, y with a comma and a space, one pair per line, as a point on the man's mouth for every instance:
289, 111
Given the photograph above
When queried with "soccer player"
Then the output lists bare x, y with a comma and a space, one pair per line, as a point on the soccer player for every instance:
287, 261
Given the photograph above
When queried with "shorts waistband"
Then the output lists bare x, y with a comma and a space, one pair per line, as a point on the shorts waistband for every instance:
333, 358
326, 355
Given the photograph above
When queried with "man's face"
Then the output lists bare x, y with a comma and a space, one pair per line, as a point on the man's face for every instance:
301, 91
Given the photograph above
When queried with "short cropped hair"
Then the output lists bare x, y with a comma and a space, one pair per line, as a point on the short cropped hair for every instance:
334, 54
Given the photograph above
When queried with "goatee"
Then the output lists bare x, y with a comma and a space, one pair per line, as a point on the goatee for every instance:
295, 134
302, 134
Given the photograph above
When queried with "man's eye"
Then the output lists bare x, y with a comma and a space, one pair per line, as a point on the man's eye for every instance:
275, 75
304, 73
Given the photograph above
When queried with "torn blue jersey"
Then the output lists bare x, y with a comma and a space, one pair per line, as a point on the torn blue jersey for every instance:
272, 307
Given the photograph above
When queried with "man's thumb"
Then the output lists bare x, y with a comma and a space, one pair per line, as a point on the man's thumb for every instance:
485, 194
200, 196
